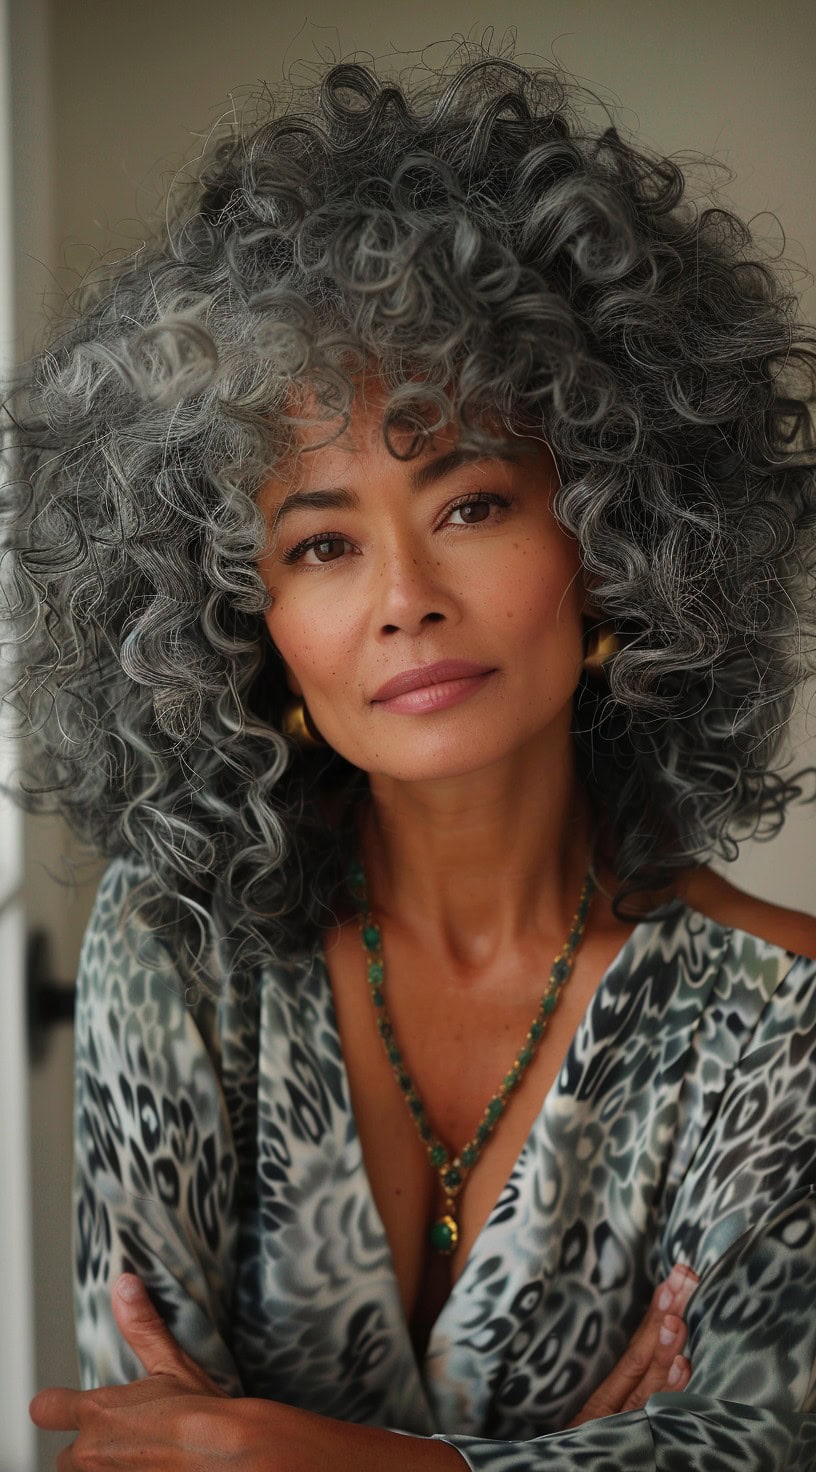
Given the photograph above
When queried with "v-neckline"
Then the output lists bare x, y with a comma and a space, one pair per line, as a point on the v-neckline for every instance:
622, 958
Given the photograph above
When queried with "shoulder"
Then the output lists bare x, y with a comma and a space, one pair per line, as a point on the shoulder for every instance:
109, 913
130, 944
135, 1000
714, 896
116, 884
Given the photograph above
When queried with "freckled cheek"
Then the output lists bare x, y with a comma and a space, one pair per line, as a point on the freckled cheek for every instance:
531, 599
319, 650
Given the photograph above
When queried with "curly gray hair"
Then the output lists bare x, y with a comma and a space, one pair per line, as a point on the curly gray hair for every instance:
470, 232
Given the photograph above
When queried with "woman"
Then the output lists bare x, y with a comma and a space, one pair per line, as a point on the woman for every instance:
418, 545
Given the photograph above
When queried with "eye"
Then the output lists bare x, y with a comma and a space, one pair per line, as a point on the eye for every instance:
476, 508
327, 547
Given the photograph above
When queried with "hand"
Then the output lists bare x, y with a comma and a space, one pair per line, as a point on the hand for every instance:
648, 1365
176, 1420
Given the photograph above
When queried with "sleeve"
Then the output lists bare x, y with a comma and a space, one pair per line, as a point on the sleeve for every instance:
745, 1218
154, 1159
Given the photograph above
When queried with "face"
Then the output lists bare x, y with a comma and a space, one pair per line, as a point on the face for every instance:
429, 612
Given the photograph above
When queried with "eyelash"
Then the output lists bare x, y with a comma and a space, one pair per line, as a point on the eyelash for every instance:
491, 498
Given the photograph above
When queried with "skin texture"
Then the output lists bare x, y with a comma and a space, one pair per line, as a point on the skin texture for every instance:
408, 581
402, 580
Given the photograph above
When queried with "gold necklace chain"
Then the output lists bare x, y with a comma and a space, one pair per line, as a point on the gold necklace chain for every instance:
453, 1172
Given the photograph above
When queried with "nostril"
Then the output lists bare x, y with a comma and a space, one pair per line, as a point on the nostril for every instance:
433, 617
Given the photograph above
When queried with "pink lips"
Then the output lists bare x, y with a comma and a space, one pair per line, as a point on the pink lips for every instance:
430, 674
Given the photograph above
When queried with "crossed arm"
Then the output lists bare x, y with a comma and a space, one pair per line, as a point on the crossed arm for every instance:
178, 1417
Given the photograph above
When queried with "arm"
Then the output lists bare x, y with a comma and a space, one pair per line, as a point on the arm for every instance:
744, 1217
176, 1415
154, 1173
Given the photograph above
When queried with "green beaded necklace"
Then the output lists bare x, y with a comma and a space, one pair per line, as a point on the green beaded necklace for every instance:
444, 1233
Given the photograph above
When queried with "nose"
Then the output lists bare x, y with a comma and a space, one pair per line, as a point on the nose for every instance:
411, 592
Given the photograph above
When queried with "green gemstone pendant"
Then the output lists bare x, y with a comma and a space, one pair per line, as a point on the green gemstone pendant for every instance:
444, 1235
444, 1232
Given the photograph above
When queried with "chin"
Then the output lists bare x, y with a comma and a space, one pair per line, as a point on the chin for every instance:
446, 762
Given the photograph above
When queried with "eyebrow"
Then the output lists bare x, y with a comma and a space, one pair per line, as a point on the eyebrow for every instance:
342, 499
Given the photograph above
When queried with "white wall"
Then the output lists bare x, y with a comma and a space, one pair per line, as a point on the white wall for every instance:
133, 90
16, 1323
51, 1359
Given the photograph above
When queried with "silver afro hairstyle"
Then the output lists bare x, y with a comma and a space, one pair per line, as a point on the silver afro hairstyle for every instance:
498, 259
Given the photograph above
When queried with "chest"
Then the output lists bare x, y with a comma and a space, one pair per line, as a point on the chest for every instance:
457, 1043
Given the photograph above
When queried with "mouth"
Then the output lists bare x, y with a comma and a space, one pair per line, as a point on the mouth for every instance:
432, 686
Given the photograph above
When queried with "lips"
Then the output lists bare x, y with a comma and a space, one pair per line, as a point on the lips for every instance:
430, 674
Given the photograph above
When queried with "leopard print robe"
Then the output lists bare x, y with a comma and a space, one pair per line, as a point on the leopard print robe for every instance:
217, 1156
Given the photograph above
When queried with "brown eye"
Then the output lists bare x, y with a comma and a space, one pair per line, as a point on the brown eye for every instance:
329, 549
473, 511
326, 546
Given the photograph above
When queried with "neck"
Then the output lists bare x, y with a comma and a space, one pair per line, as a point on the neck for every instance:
476, 865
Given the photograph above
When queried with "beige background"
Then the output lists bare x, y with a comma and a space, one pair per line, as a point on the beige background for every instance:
112, 98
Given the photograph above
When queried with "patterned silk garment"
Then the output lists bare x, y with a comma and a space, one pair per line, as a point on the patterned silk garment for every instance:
217, 1156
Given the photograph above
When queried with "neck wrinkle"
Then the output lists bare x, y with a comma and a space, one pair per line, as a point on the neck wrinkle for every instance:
461, 896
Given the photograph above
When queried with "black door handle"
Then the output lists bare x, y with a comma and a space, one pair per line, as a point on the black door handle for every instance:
48, 1002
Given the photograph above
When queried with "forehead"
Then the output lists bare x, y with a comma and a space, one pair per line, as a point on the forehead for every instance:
323, 444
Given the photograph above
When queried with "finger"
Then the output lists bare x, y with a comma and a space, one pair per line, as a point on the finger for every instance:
623, 1386
65, 1459
678, 1377
676, 1380
54, 1409
145, 1330
680, 1373
673, 1295
635, 1361
625, 1379
684, 1293
671, 1339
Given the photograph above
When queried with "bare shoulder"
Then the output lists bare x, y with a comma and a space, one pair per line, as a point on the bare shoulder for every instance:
712, 895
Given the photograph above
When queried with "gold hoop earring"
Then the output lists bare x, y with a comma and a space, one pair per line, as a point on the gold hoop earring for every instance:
603, 643
298, 725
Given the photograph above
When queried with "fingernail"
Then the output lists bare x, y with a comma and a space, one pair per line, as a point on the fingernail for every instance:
682, 1297
666, 1334
666, 1299
675, 1372
128, 1287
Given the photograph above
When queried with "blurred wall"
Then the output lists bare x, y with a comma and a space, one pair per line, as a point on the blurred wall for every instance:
133, 91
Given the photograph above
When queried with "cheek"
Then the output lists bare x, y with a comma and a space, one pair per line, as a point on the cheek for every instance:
316, 648
536, 595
